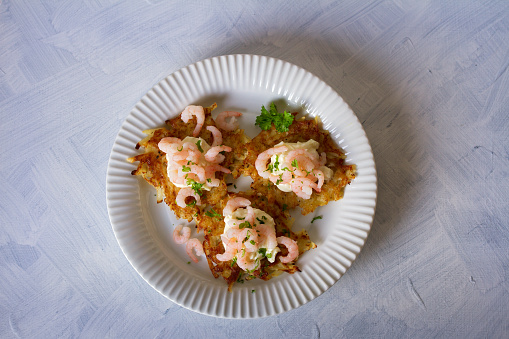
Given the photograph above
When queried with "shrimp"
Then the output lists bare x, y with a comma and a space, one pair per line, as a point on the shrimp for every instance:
198, 112
303, 187
321, 178
183, 194
232, 241
235, 203
247, 264
261, 161
218, 137
305, 160
287, 177
188, 152
250, 217
229, 253
211, 169
169, 144
293, 249
197, 246
250, 240
199, 171
181, 238
210, 174
193, 153
232, 124
214, 156
267, 232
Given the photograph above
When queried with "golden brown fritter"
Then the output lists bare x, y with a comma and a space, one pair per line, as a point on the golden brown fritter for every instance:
213, 228
152, 163
300, 131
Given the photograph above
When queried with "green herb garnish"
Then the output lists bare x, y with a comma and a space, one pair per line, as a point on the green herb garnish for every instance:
294, 163
245, 224
196, 186
276, 163
186, 169
198, 143
213, 214
280, 180
316, 218
281, 121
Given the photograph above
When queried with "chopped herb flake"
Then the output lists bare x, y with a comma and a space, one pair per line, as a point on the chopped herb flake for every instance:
245, 224
276, 163
260, 221
213, 214
316, 218
196, 186
198, 143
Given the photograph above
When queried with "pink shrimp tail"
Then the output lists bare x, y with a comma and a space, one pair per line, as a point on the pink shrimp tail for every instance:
228, 126
293, 249
197, 246
181, 238
216, 134
198, 112
183, 194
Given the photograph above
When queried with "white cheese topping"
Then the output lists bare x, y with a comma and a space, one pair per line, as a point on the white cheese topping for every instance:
263, 247
202, 162
277, 161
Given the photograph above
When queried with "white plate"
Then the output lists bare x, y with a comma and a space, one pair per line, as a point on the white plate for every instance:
144, 229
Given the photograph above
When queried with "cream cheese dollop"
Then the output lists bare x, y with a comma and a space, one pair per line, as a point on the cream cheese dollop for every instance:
264, 249
202, 162
277, 161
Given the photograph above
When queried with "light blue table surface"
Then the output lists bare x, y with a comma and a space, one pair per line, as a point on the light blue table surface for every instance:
427, 79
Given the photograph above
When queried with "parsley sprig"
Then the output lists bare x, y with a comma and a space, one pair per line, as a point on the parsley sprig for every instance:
281, 121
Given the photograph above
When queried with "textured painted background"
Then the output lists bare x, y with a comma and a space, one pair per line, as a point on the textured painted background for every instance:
427, 79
